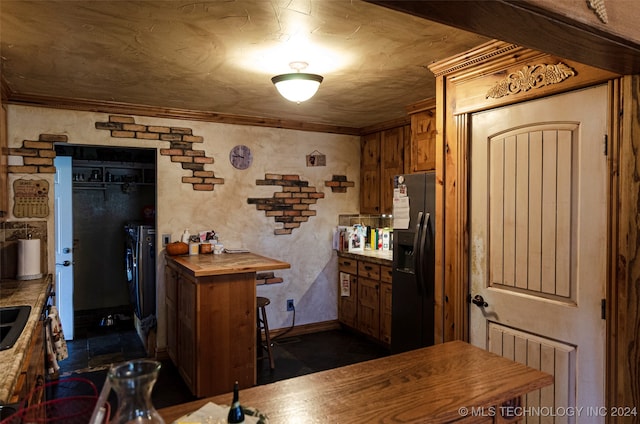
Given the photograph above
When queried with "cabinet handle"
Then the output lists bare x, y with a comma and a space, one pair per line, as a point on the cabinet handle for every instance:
347, 263
368, 268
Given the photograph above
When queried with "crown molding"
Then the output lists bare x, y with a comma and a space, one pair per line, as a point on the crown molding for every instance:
170, 113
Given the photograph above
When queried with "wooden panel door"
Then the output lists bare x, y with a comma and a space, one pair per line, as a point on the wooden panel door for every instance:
538, 230
423, 141
369, 307
385, 312
370, 173
392, 164
64, 241
348, 305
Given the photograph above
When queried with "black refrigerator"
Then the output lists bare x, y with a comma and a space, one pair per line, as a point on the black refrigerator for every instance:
413, 262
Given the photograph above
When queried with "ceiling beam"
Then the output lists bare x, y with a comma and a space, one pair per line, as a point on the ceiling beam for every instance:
528, 25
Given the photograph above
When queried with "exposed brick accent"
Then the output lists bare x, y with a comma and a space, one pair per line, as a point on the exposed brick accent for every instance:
181, 147
14, 169
38, 161
267, 278
147, 136
47, 169
123, 134
37, 155
122, 119
53, 138
289, 206
134, 127
339, 184
193, 138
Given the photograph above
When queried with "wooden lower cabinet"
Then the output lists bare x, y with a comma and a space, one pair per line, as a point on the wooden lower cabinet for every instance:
32, 373
367, 309
171, 303
213, 319
187, 324
348, 305
385, 312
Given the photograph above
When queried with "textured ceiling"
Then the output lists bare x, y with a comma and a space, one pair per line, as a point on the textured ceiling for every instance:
219, 56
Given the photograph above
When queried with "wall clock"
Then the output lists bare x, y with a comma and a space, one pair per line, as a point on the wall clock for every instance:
241, 157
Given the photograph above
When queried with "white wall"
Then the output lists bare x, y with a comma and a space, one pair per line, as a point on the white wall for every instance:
312, 279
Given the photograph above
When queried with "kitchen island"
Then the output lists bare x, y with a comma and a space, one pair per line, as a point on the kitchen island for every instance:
211, 318
444, 383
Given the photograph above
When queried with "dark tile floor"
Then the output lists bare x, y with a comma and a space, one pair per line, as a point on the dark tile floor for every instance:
92, 352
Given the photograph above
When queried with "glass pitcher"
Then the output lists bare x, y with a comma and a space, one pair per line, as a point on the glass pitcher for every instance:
133, 383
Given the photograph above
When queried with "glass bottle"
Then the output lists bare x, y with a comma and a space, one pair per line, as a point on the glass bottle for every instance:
236, 415
133, 383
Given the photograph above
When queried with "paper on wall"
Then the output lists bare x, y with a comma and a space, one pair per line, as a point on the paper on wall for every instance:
345, 284
401, 209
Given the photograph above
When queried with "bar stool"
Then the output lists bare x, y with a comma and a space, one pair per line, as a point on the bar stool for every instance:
261, 315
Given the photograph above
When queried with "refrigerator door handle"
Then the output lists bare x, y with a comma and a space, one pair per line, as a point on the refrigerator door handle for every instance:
425, 249
417, 251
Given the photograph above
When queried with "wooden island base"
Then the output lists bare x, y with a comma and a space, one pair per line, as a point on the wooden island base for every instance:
211, 318
444, 383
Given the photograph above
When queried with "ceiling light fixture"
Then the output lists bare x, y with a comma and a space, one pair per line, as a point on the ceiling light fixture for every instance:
297, 86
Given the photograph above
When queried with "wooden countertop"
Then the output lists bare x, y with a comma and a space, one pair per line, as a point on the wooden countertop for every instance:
426, 385
16, 293
226, 263
381, 257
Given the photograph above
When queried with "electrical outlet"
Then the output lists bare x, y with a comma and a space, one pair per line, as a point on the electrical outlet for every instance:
289, 304
166, 239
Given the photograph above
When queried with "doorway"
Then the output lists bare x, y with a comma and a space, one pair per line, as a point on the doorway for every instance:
111, 186
538, 224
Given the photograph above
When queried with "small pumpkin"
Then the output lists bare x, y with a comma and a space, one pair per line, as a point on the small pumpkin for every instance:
177, 248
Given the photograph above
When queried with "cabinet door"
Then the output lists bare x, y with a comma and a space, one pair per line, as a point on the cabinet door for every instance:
369, 307
370, 173
171, 284
423, 141
32, 372
348, 305
392, 163
385, 312
187, 332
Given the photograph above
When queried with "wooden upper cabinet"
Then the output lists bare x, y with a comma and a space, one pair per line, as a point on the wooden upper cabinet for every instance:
370, 173
383, 155
391, 164
423, 141
4, 169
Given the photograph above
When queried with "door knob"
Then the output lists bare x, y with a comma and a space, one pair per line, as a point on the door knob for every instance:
479, 301
65, 263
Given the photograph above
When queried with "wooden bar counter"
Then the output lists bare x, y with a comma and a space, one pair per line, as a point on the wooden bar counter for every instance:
211, 318
450, 382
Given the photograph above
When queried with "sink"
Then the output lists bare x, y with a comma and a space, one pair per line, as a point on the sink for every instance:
12, 322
